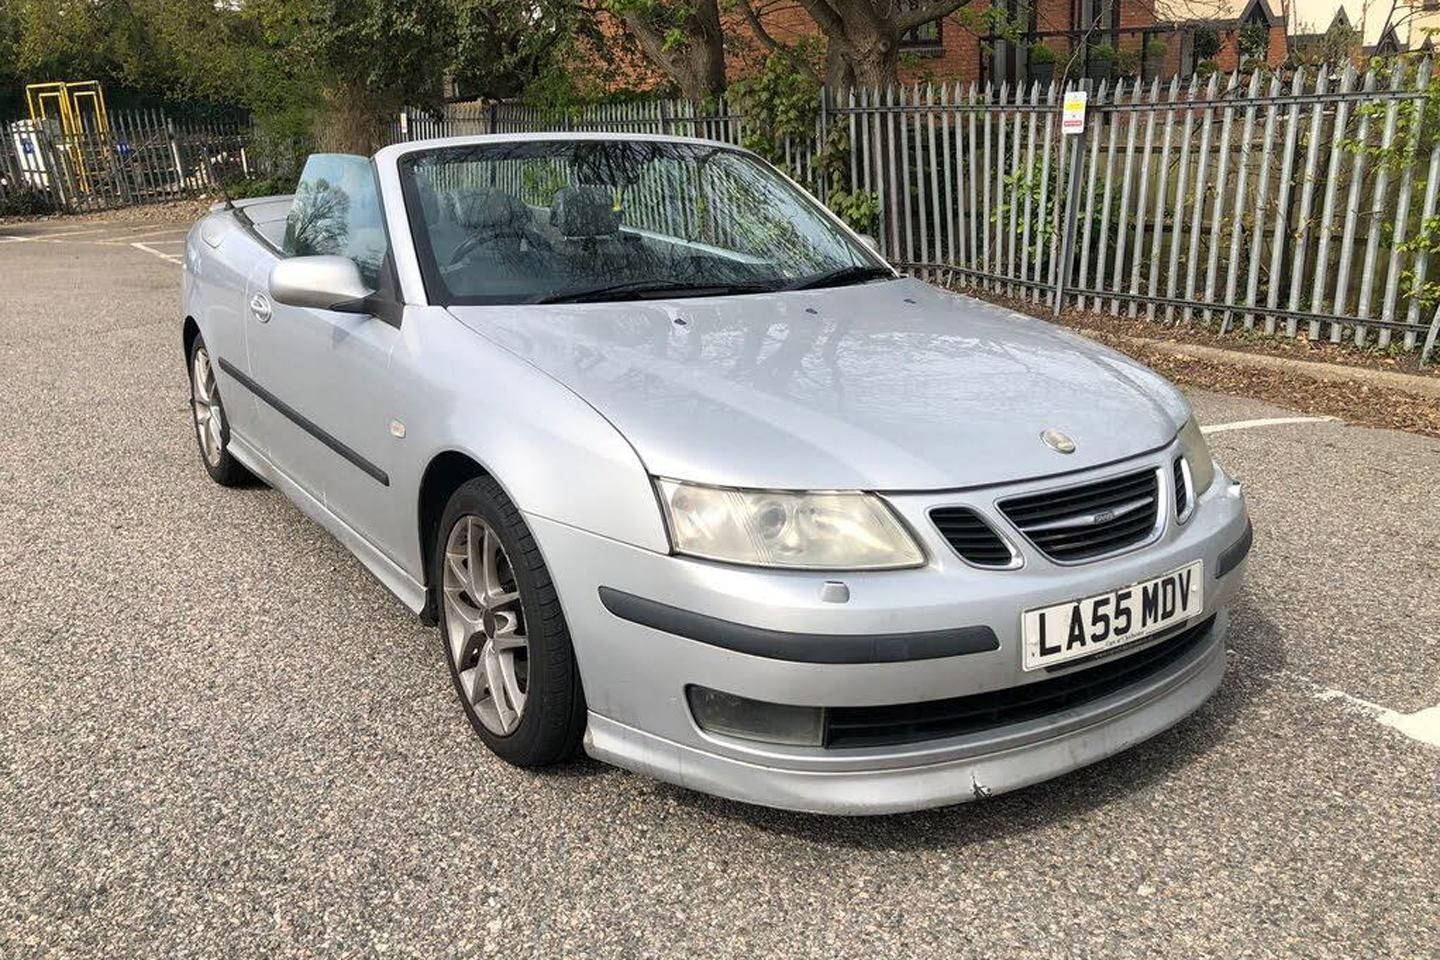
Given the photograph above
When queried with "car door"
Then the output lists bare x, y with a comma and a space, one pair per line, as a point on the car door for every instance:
321, 376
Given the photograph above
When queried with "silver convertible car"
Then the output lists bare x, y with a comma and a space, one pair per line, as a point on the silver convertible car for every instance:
689, 478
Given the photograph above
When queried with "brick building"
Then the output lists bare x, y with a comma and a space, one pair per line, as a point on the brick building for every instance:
1135, 39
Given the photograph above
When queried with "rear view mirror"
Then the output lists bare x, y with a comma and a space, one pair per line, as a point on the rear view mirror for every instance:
325, 283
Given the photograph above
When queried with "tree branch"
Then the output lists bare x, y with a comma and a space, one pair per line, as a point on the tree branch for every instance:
758, 28
920, 16
651, 41
825, 17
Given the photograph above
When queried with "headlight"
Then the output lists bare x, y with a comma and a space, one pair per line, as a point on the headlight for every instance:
1197, 456
816, 531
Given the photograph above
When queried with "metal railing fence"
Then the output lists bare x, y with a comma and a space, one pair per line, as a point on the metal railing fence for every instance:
143, 157
1303, 204
1286, 205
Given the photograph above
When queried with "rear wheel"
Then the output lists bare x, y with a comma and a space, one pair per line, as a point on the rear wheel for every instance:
504, 634
212, 429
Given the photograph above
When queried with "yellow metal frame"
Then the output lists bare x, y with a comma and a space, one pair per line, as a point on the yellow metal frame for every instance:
67, 102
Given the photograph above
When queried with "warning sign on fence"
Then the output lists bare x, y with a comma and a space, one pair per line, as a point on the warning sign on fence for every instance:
1072, 118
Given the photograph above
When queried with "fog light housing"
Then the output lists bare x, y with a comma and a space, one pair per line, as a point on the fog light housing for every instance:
732, 716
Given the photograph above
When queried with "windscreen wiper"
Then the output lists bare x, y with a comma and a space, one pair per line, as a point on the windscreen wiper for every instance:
651, 289
840, 277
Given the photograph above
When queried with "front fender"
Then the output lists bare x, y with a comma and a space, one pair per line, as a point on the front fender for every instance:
554, 455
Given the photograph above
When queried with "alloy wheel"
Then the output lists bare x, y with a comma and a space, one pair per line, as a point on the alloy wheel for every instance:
485, 625
209, 416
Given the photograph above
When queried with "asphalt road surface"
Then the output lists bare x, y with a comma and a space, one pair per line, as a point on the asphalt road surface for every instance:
220, 737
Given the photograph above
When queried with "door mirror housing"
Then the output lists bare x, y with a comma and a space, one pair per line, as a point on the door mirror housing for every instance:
322, 282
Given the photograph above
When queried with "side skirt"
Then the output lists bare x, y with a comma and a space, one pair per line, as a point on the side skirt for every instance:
396, 580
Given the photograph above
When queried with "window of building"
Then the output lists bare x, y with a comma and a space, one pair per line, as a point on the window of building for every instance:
927, 36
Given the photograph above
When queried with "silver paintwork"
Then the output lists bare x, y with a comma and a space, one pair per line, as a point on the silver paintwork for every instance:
927, 397
320, 282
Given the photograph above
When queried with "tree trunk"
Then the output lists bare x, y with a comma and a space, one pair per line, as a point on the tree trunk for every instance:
709, 51
839, 74
877, 67
352, 123
697, 66
861, 58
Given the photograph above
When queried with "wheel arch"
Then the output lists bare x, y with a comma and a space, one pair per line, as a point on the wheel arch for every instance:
446, 472
189, 332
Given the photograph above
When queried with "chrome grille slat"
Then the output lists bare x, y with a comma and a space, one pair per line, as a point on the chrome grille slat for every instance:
1063, 506
971, 537
1182, 495
1073, 524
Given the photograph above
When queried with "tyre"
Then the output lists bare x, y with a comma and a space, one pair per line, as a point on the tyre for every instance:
212, 428
503, 632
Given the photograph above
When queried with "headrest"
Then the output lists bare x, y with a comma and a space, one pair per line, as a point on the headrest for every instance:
482, 208
585, 211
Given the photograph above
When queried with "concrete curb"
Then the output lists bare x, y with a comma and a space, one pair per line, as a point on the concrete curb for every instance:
1387, 379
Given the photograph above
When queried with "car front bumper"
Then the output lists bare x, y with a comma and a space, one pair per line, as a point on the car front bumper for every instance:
635, 675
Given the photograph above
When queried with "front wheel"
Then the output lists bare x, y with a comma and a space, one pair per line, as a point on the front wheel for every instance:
504, 634
212, 429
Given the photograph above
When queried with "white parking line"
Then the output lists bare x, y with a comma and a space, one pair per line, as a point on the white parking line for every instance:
69, 233
147, 235
156, 253
1422, 725
1266, 422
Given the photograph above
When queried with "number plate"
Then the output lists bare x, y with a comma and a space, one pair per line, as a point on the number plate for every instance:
1068, 631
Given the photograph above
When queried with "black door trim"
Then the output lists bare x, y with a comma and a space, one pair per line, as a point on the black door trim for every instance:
798, 647
304, 423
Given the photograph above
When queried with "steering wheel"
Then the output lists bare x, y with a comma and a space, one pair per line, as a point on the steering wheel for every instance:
476, 240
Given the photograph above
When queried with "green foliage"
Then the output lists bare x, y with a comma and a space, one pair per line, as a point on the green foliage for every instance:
1041, 53
1254, 42
1417, 132
1206, 43
1127, 63
780, 101
242, 188
503, 47
287, 61
994, 21
1339, 44
539, 184
1102, 53
1156, 50
26, 202
859, 210
1025, 186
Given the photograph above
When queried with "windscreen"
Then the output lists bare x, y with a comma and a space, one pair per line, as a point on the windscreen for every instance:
551, 221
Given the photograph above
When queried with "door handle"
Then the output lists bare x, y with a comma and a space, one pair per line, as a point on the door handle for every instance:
260, 307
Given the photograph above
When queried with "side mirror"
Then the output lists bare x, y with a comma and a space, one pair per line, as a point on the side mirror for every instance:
325, 283
869, 241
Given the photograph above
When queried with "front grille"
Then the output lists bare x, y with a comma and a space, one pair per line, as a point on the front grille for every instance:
1090, 520
971, 537
959, 716
1182, 495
